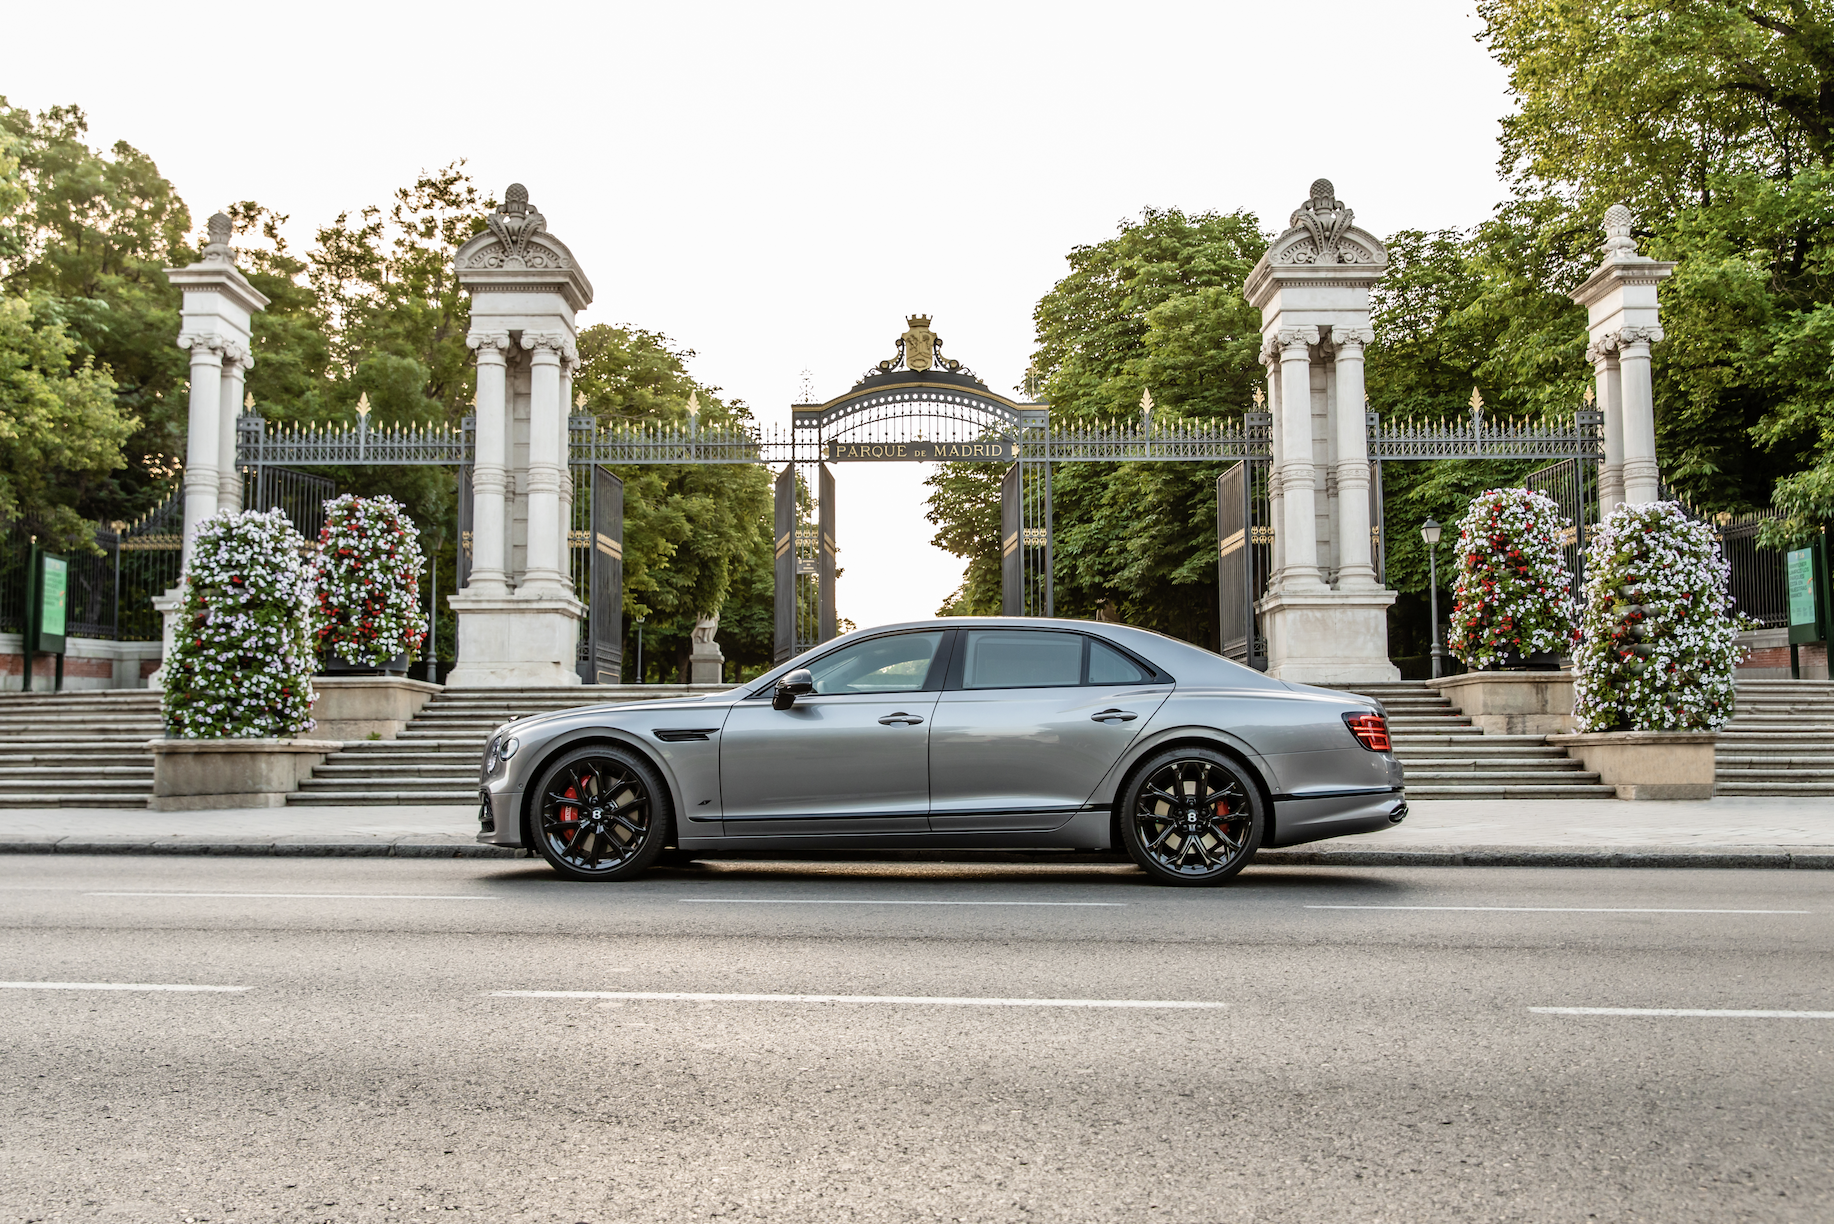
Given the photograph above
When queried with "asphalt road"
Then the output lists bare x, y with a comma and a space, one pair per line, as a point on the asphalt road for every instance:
1354, 1064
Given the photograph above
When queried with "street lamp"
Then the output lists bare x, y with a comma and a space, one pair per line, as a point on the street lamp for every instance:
639, 650
1429, 531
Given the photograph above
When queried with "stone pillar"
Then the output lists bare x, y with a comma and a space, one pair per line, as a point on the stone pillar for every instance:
215, 325
520, 626
1276, 497
202, 443
1603, 355
1324, 615
1642, 479
1298, 474
1623, 318
545, 573
229, 477
489, 479
1355, 563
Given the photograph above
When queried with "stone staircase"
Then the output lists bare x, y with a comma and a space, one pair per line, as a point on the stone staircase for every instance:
77, 749
435, 758
1780, 741
1448, 758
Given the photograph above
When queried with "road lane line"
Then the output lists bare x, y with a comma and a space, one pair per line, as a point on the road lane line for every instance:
1552, 909
117, 986
932, 1000
308, 896
1723, 1013
816, 901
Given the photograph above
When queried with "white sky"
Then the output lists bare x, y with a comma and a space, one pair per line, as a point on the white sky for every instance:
777, 185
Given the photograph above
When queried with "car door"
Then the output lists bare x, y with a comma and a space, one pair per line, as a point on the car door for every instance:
1027, 725
851, 757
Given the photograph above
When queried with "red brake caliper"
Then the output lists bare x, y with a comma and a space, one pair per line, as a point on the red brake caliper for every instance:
568, 814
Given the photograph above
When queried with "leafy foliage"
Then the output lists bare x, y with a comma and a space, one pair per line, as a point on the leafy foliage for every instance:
1657, 652
241, 663
366, 581
1513, 595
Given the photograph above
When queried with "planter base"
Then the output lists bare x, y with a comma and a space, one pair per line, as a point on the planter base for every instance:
356, 707
191, 775
1513, 702
1647, 764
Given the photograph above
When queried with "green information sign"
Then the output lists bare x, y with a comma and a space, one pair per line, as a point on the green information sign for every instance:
1802, 587
52, 588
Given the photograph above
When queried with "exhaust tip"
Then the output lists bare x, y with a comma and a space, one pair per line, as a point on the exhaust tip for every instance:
1399, 814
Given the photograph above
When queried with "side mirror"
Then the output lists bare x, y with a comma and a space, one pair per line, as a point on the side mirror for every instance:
791, 686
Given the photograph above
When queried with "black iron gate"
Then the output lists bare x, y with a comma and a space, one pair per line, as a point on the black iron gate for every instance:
1572, 484
604, 662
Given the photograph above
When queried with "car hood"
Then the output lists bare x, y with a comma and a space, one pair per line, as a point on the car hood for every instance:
536, 722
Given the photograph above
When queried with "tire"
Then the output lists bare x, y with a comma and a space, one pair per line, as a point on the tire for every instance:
1171, 824
616, 837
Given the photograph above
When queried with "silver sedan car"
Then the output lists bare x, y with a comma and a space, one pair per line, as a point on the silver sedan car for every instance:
958, 733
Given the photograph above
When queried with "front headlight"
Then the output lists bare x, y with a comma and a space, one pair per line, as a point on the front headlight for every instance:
509, 748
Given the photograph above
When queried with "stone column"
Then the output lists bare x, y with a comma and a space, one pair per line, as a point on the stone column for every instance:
545, 573
569, 358
1276, 500
1603, 355
489, 471
202, 442
1642, 479
1623, 318
1355, 564
1299, 475
236, 364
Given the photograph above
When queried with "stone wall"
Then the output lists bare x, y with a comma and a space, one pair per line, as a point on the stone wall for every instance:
1767, 657
89, 663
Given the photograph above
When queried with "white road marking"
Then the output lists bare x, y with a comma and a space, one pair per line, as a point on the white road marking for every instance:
1723, 1013
116, 986
308, 896
931, 1000
1552, 909
823, 901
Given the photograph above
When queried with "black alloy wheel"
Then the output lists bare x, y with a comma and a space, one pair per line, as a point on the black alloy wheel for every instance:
601, 813
1191, 816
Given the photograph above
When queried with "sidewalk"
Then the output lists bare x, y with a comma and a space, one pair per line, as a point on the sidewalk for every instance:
1728, 832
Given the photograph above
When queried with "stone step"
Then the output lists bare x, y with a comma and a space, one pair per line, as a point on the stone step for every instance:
63, 771
1486, 777
1465, 750
1516, 790
368, 798
1775, 786
71, 786
329, 772
1793, 773
75, 801
1556, 763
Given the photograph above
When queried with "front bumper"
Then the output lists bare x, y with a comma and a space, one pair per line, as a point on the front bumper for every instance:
499, 814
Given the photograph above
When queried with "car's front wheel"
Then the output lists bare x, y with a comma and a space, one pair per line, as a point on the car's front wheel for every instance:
1191, 816
600, 813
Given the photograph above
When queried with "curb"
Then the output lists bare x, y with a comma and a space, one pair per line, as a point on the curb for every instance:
1763, 858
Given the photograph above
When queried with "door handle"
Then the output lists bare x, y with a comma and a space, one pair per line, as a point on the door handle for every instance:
909, 720
1113, 716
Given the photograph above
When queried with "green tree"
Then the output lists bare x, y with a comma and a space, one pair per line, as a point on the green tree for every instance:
1157, 307
694, 535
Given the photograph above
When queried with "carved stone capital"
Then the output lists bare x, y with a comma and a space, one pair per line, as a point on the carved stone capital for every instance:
490, 345
204, 345
556, 343
1296, 342
1602, 350
1351, 341
1639, 335
236, 354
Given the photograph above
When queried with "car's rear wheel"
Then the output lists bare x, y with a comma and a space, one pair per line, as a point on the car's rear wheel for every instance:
601, 813
1191, 816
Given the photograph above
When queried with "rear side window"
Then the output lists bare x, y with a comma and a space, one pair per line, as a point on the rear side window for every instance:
1109, 666
1017, 658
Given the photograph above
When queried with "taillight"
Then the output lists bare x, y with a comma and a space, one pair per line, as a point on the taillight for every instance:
1371, 731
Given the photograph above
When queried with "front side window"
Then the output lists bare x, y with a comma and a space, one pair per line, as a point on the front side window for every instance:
1018, 658
896, 664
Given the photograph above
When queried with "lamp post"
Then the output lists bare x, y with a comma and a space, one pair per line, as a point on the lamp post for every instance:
1429, 531
639, 650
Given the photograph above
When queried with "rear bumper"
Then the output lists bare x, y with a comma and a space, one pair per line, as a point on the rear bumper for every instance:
1308, 818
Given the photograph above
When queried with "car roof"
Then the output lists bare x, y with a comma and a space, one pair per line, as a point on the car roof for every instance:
1187, 664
